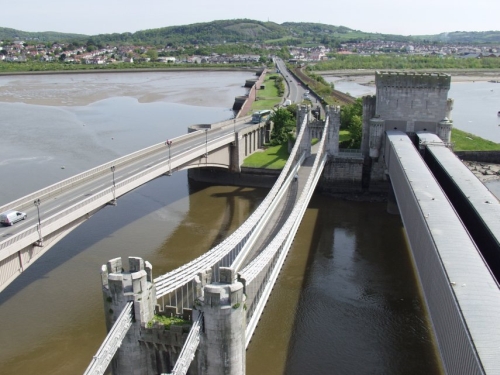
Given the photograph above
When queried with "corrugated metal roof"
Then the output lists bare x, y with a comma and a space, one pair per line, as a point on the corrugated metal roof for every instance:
484, 201
475, 289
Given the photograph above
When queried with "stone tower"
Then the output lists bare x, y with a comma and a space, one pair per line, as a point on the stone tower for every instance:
120, 287
410, 102
223, 341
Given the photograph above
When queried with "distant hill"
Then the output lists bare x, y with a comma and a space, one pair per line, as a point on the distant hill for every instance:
45, 36
464, 37
248, 31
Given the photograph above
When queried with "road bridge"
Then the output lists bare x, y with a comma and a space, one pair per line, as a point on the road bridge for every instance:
55, 211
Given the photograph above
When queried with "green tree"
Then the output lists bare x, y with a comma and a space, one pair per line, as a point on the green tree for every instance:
351, 119
284, 123
152, 54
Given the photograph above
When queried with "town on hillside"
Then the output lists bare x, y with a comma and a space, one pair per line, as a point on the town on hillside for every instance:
23, 51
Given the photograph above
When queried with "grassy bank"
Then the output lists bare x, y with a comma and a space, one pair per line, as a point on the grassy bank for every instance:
60, 67
269, 96
463, 141
272, 157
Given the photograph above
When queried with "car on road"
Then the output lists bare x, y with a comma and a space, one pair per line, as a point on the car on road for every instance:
11, 217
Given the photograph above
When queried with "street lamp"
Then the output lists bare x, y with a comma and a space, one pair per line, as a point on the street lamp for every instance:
206, 145
113, 202
169, 143
40, 239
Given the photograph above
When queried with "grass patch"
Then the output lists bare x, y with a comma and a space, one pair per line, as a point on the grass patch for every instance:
463, 141
273, 158
344, 135
268, 97
168, 321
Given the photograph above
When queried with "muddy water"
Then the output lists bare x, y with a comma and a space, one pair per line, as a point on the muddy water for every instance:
346, 301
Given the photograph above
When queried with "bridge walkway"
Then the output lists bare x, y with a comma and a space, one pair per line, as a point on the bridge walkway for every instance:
285, 208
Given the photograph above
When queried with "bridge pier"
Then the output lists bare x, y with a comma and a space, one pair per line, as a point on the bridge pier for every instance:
223, 341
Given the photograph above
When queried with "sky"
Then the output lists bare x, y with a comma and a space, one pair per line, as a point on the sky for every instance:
403, 17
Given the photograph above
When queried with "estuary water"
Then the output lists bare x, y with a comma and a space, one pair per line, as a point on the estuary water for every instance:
346, 302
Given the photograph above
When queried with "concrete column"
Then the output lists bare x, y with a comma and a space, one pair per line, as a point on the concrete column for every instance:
444, 130
377, 128
120, 287
223, 340
235, 151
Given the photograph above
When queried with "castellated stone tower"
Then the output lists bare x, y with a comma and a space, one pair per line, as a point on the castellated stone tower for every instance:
223, 340
332, 145
120, 287
410, 102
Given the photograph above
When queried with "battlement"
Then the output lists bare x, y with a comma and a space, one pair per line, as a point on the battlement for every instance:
412, 80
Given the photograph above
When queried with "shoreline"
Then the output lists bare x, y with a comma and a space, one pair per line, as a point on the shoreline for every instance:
367, 77
132, 70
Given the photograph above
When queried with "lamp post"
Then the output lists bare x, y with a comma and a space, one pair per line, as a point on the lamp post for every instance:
169, 143
113, 202
206, 145
40, 239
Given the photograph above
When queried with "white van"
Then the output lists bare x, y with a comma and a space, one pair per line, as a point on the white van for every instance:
11, 217
287, 103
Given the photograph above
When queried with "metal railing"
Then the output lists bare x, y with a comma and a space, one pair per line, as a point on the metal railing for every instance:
112, 342
189, 349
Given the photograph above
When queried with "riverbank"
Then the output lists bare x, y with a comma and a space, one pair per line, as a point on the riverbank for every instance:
367, 77
130, 70
485, 172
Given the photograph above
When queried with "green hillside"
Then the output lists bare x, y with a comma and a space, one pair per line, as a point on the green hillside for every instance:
248, 31
472, 37
45, 36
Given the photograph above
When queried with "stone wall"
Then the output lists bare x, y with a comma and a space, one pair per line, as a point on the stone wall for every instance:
249, 177
346, 177
492, 157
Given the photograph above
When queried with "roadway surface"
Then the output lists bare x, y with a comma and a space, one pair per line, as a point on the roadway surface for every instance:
294, 90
